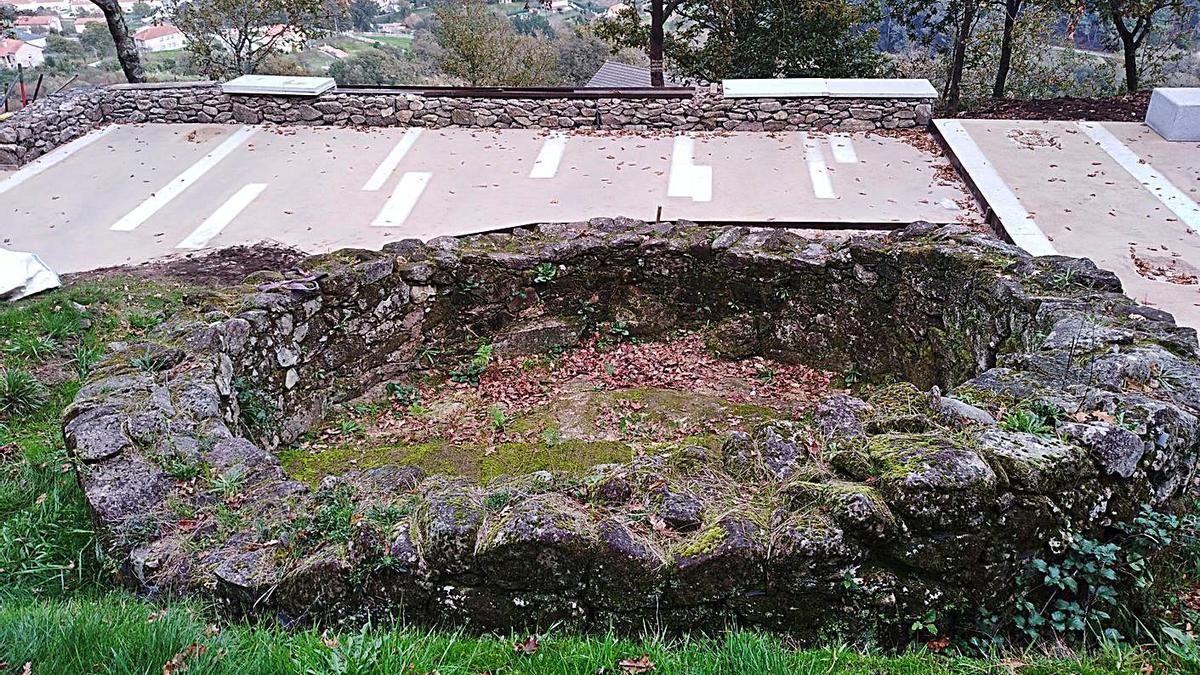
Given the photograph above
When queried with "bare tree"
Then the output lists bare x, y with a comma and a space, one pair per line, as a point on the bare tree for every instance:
234, 37
127, 51
948, 25
660, 11
1136, 20
1012, 9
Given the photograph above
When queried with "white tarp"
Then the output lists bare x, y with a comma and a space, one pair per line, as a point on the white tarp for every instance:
24, 274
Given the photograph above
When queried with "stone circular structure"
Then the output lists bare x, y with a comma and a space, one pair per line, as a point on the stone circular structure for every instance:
855, 521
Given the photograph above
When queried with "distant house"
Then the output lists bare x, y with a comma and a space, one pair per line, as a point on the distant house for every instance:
285, 39
39, 24
83, 7
15, 53
394, 28
59, 6
158, 38
24, 35
615, 11
80, 24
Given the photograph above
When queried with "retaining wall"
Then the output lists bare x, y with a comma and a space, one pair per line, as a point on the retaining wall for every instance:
44, 126
923, 501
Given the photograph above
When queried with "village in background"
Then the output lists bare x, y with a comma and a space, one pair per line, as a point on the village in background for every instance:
573, 43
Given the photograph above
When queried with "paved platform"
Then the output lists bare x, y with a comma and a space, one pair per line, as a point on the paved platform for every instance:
132, 193
1115, 192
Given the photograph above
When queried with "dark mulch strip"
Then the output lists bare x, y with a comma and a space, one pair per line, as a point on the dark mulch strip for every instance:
1130, 108
222, 267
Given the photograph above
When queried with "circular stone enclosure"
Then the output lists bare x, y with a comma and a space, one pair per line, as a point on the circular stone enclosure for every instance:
853, 519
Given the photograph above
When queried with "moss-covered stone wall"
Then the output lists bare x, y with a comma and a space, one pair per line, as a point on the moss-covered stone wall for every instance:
857, 521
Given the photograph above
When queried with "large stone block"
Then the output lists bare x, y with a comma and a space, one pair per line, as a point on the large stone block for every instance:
1175, 113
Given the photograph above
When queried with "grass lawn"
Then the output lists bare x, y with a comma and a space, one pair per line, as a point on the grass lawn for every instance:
393, 40
60, 613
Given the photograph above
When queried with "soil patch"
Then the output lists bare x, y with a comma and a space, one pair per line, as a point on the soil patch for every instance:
603, 402
1130, 108
222, 267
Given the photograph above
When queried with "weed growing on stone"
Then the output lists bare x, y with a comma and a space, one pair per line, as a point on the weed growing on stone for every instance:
1096, 590
544, 273
256, 414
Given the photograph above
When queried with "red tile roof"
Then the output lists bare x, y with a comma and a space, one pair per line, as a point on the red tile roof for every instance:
151, 32
9, 46
33, 20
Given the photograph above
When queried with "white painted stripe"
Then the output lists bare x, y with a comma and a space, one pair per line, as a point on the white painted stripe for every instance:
404, 198
686, 178
1013, 217
1159, 185
548, 159
53, 157
224, 215
393, 159
843, 149
142, 212
818, 172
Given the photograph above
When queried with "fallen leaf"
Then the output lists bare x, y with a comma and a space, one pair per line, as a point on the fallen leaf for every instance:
330, 642
938, 644
527, 646
157, 616
641, 664
178, 663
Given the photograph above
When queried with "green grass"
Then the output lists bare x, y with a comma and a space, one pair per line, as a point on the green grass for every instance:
60, 612
118, 633
393, 40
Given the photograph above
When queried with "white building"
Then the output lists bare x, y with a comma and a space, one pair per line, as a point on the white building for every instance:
59, 6
39, 24
159, 38
15, 53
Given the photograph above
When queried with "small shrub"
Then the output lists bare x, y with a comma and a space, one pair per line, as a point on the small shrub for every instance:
1032, 417
544, 273
470, 372
20, 393
1108, 588
497, 419
403, 394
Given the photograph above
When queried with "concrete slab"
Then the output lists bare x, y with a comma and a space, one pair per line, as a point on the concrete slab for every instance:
278, 85
322, 188
1174, 113
835, 87
1089, 205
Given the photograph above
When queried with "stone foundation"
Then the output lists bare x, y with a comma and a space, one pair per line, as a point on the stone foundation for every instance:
57, 120
854, 522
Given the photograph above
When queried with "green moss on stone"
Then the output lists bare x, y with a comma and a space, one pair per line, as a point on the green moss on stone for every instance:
704, 543
569, 457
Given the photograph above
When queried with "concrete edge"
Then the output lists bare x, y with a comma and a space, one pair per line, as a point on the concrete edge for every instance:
1002, 210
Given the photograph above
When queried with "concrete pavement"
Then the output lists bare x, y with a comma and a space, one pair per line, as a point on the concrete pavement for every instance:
138, 192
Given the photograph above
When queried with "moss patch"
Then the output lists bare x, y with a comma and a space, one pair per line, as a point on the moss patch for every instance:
479, 463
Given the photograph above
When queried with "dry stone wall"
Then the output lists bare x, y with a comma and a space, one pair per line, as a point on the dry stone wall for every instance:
50, 123
859, 522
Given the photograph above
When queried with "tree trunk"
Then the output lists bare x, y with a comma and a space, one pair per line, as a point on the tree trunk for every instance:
1129, 46
959, 58
1011, 9
127, 52
657, 19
